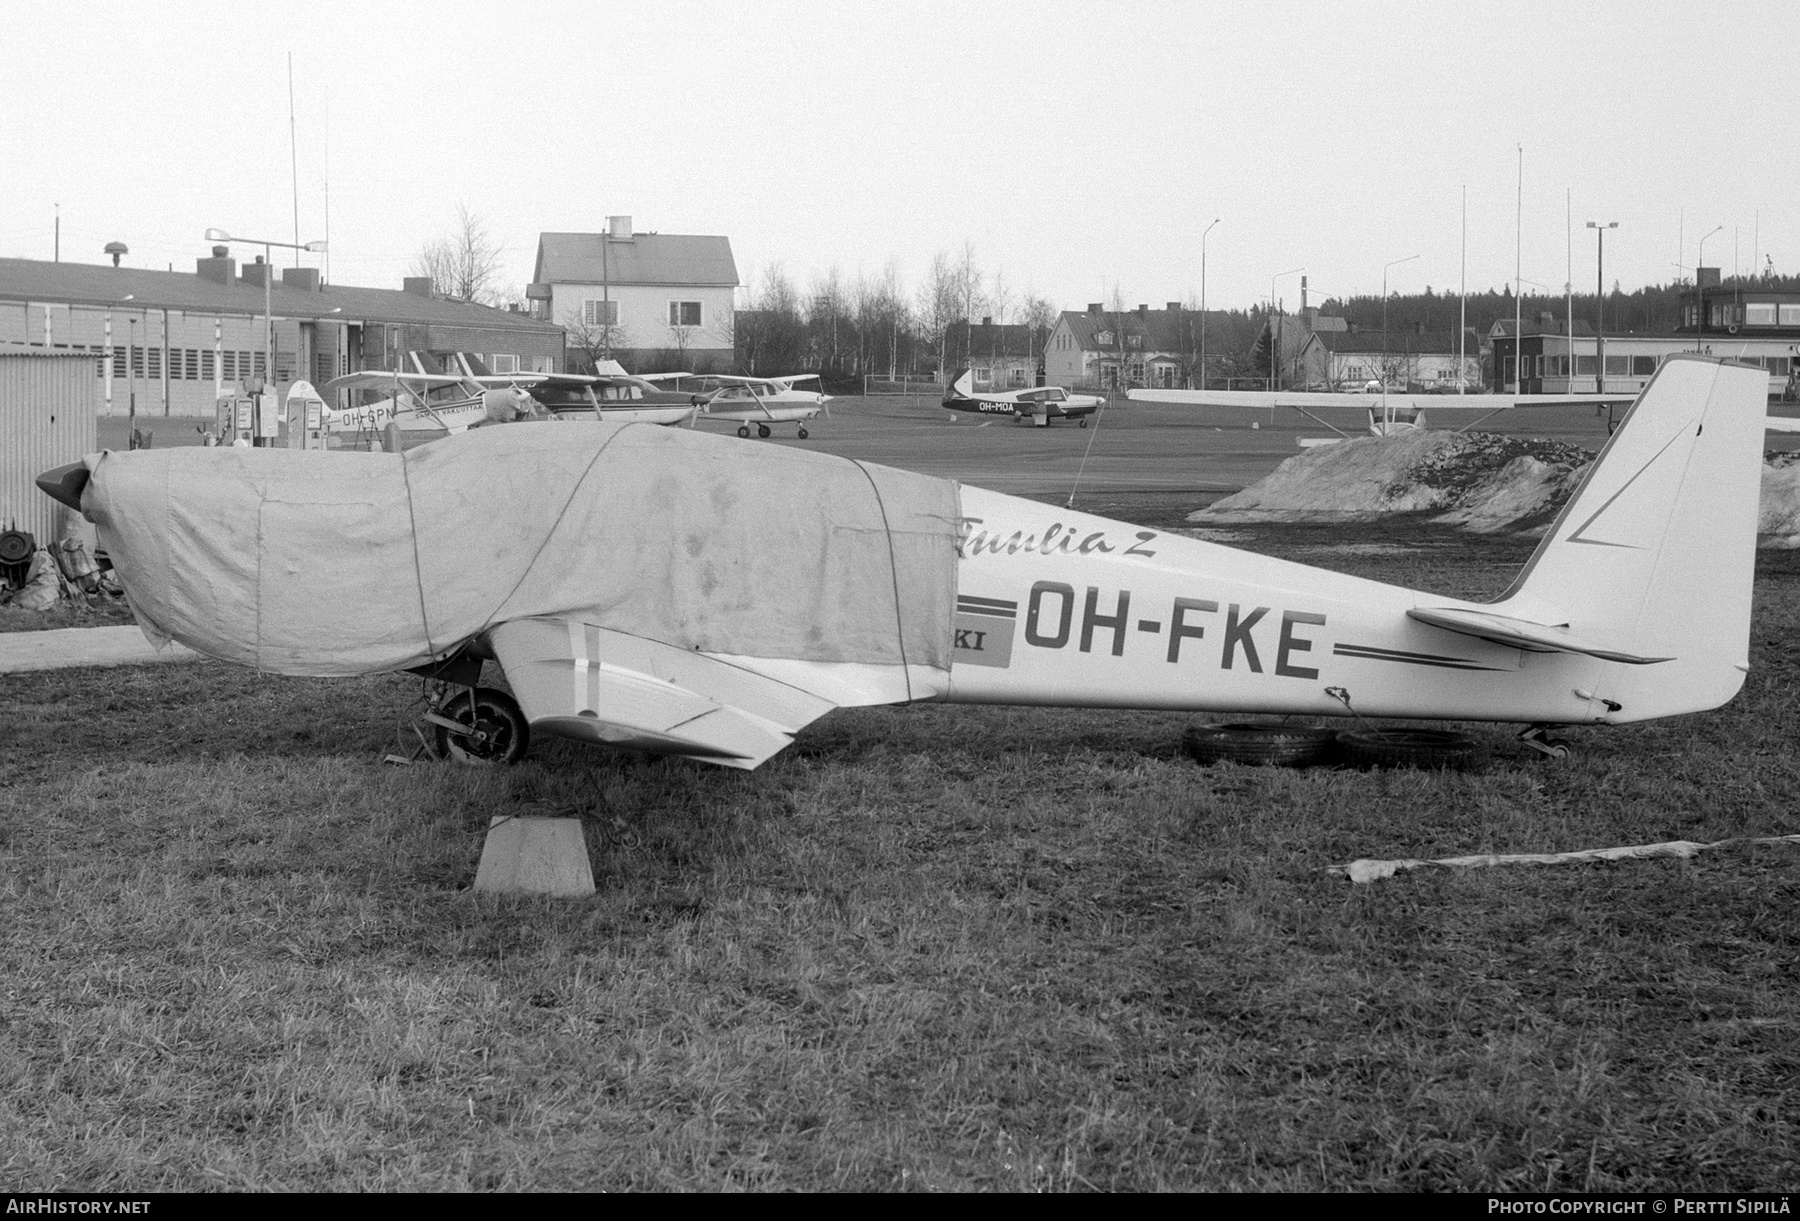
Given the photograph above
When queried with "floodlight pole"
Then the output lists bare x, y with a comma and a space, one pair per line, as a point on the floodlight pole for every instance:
1203, 234
1384, 328
219, 235
1600, 229
1275, 330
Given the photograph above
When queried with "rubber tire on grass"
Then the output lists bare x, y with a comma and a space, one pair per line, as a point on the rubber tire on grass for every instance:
1426, 748
1275, 745
498, 714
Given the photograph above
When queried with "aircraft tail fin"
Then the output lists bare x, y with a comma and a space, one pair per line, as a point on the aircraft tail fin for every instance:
1651, 560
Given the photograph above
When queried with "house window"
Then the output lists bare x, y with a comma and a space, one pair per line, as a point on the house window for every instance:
1618, 366
503, 362
684, 313
981, 377
1103, 338
1584, 366
1135, 372
1643, 366
595, 312
1790, 315
1020, 377
1759, 314
1134, 341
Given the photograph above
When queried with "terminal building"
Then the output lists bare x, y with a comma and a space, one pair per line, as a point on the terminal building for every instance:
173, 340
1745, 322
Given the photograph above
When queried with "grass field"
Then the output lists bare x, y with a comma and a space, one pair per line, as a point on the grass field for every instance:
925, 948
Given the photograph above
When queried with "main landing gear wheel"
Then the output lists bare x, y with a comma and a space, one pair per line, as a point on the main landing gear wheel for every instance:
743, 430
1082, 421
762, 430
497, 732
803, 434
1279, 745
1429, 748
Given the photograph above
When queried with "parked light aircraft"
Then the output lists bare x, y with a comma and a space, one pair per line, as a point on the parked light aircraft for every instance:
618, 397
425, 399
1039, 405
761, 401
626, 580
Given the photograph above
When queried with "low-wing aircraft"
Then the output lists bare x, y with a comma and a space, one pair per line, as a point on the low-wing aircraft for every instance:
627, 582
761, 401
1039, 405
1388, 412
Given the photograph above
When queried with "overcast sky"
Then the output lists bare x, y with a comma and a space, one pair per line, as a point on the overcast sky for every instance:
1079, 147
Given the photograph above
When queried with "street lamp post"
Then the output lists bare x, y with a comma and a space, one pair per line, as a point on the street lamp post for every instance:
1700, 289
1600, 229
1203, 234
219, 235
1384, 317
1275, 330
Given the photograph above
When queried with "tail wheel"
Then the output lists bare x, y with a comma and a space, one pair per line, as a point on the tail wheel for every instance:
762, 430
1430, 748
803, 433
1279, 745
743, 430
495, 732
1082, 421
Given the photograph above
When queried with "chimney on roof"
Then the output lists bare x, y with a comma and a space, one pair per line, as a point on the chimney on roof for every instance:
306, 278
418, 286
1094, 308
1143, 309
1546, 319
618, 228
987, 320
221, 268
1174, 307
255, 273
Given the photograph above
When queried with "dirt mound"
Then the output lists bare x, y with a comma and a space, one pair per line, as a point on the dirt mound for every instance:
1479, 481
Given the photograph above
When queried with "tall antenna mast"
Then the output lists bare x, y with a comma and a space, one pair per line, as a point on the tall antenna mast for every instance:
1518, 289
328, 278
1462, 314
1569, 281
293, 158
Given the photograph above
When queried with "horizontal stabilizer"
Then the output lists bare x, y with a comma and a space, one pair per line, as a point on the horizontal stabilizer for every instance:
1523, 634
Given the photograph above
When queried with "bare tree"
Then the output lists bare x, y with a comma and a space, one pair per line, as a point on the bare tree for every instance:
940, 297
594, 341
463, 263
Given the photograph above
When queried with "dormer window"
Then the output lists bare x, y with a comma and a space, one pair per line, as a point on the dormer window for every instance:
1134, 341
1103, 338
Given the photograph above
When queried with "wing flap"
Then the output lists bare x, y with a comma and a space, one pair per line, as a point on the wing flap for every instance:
1524, 634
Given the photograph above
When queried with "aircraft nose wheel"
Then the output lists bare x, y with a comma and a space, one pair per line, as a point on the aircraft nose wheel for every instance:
494, 731
803, 434
743, 430
762, 430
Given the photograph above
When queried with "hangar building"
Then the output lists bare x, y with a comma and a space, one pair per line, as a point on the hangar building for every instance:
175, 337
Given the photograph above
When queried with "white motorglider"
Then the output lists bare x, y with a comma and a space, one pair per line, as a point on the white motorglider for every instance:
1039, 405
626, 580
761, 401
1388, 412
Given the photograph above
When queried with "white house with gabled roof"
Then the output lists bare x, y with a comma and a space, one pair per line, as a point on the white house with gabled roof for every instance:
652, 301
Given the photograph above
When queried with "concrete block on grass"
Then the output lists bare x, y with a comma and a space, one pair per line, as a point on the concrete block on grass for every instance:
535, 856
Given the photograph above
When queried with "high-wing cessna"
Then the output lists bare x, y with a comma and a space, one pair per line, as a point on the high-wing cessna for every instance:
618, 397
627, 581
1040, 405
422, 399
761, 401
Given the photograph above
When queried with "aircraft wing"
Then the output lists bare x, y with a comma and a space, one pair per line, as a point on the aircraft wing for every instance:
1434, 402
375, 379
789, 380
661, 377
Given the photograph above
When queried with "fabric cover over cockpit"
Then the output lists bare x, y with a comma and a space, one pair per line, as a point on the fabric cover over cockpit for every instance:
345, 563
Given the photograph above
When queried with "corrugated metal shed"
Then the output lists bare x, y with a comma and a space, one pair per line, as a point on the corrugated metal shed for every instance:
47, 419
